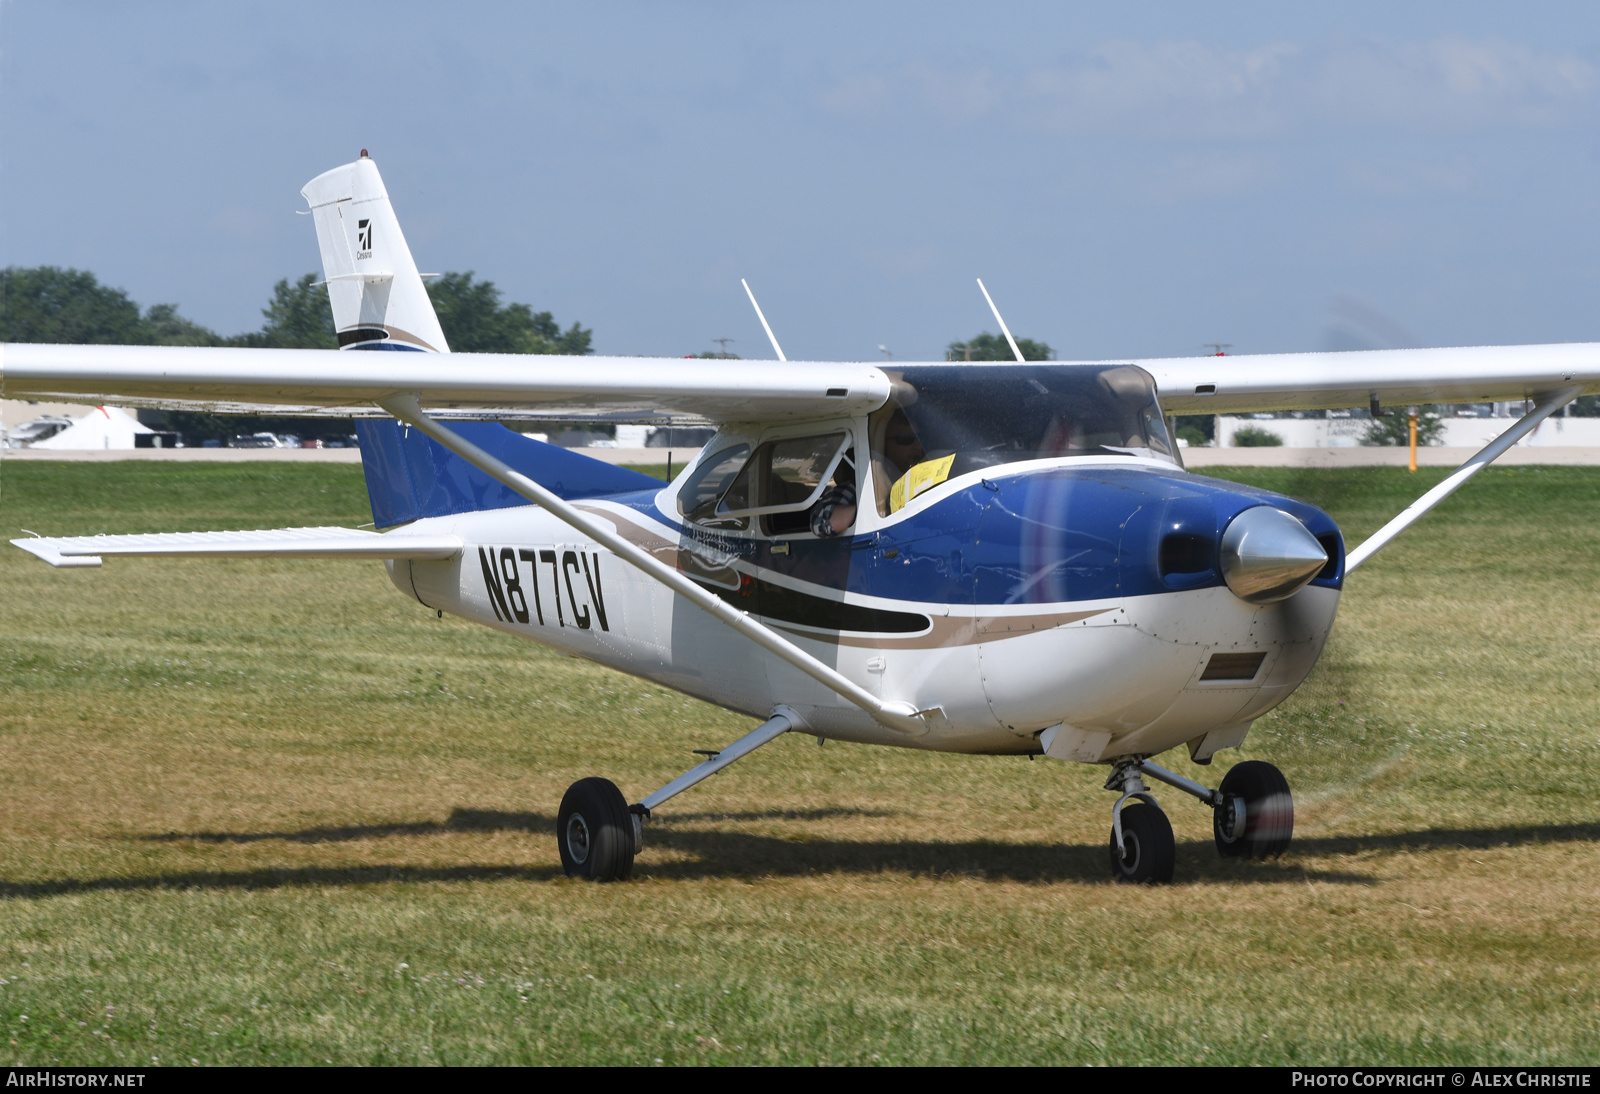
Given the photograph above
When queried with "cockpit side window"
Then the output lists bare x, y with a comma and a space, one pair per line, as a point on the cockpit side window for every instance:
792, 469
782, 482
817, 485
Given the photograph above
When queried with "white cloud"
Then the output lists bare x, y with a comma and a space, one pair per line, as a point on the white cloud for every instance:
1171, 86
1190, 89
1452, 82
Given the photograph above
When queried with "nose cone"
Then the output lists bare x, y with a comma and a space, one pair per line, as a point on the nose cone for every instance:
1267, 555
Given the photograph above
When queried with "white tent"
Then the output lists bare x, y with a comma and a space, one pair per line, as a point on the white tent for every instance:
102, 427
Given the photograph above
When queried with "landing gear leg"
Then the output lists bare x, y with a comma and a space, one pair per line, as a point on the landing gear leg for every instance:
1252, 817
599, 833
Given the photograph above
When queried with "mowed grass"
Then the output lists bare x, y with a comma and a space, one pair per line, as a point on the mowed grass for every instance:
270, 812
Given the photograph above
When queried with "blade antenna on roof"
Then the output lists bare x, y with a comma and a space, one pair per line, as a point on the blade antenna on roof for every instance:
764, 324
1003, 328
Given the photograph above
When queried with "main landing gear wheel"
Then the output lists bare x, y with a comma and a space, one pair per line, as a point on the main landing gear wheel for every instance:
595, 831
1148, 852
1267, 813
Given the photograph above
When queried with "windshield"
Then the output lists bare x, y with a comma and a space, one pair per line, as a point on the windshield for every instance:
984, 416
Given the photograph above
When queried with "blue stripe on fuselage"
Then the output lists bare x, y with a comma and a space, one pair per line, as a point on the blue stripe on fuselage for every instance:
1046, 536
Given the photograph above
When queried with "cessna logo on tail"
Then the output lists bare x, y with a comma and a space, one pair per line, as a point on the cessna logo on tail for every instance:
363, 239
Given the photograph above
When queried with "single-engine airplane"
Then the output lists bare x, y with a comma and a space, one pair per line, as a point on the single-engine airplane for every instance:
975, 558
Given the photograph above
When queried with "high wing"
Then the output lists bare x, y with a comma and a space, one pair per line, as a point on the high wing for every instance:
274, 543
1395, 377
667, 390
310, 381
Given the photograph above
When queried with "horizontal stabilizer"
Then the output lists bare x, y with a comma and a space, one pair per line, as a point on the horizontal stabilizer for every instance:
273, 543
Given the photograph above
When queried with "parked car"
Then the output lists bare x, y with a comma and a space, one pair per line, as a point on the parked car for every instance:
37, 430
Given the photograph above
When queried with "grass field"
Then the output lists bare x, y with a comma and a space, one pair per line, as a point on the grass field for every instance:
270, 812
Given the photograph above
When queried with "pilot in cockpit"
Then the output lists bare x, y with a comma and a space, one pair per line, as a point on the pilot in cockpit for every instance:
901, 448
901, 468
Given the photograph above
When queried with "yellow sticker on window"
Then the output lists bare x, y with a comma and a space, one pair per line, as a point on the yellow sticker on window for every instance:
925, 476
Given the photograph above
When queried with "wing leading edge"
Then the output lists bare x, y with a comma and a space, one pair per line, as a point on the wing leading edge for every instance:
309, 381
666, 390
1396, 377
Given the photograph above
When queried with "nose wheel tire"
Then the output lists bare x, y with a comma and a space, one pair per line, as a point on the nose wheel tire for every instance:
1148, 851
1268, 812
594, 831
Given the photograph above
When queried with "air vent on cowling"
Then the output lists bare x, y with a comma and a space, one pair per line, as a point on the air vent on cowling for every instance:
1232, 666
1181, 554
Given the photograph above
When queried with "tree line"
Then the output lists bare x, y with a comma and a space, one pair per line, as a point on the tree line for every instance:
50, 304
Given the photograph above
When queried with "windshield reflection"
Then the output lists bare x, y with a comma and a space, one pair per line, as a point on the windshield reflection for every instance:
985, 416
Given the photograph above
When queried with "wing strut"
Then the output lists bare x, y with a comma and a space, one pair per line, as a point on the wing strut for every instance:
1548, 404
782, 721
900, 717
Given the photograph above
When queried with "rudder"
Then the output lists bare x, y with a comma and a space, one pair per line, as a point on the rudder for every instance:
379, 301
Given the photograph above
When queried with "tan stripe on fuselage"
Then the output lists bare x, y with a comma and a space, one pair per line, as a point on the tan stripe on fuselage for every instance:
945, 630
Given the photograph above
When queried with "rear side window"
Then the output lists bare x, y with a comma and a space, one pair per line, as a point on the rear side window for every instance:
698, 499
785, 476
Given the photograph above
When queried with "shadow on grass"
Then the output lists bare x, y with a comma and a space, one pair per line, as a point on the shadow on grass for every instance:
710, 854
1443, 839
274, 878
482, 820
722, 853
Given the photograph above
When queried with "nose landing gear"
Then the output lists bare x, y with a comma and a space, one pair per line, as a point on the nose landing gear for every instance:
1252, 817
1142, 849
1148, 851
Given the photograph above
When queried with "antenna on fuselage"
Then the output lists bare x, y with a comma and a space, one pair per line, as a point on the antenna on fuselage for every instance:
1003, 328
764, 324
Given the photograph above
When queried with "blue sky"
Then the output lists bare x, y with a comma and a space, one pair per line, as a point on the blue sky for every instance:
1128, 180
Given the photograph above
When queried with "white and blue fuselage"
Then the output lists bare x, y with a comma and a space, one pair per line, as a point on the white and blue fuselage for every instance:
1073, 604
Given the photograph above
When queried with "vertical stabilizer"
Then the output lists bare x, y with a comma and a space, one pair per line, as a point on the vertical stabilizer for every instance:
410, 477
379, 301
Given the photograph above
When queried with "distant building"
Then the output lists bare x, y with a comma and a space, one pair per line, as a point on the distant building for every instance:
101, 428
